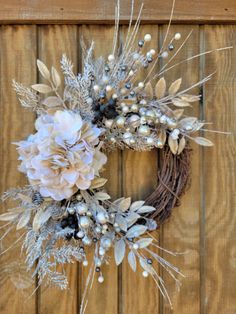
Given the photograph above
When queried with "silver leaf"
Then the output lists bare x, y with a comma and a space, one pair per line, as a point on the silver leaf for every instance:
24, 219
136, 231
119, 251
132, 260
136, 205
142, 243
125, 204
146, 209
121, 222
132, 218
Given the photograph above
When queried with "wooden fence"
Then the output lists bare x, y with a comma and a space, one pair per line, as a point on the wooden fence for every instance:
204, 225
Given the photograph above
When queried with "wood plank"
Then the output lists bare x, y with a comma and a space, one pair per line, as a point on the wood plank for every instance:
219, 250
74, 11
53, 41
18, 52
139, 294
103, 298
181, 231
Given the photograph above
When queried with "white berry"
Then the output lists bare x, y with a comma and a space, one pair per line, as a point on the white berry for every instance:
131, 73
96, 88
111, 58
100, 279
85, 263
125, 109
81, 208
150, 141
71, 210
101, 218
108, 88
141, 85
177, 36
108, 123
147, 37
120, 122
164, 54
101, 251
152, 52
145, 274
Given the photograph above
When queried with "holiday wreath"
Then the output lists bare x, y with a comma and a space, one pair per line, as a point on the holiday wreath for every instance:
65, 210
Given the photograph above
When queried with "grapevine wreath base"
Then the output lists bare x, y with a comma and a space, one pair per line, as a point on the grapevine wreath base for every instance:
65, 212
173, 180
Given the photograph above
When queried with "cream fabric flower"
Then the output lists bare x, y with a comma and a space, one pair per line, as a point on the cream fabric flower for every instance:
62, 156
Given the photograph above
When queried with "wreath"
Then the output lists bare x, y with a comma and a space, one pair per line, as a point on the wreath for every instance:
65, 211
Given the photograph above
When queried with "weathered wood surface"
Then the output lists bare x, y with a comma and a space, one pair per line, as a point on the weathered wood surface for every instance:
181, 232
204, 225
17, 61
100, 11
219, 168
53, 41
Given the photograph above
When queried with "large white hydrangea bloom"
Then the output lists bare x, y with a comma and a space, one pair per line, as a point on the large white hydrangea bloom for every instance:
62, 156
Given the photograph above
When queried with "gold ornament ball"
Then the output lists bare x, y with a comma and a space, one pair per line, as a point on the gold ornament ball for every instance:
120, 122
144, 130
109, 123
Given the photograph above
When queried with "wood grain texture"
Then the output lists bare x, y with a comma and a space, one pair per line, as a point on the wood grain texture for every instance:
139, 174
18, 53
219, 250
103, 298
204, 225
181, 232
100, 11
53, 41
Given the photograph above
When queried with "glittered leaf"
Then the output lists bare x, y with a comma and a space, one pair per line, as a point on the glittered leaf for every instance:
175, 86
24, 219
136, 231
146, 209
136, 205
132, 218
173, 144
8, 216
102, 196
180, 103
125, 204
144, 242
148, 90
42, 88
189, 121
43, 70
40, 218
119, 251
190, 98
203, 141
121, 221
117, 202
52, 101
160, 88
182, 144
162, 136
56, 77
98, 182
132, 260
